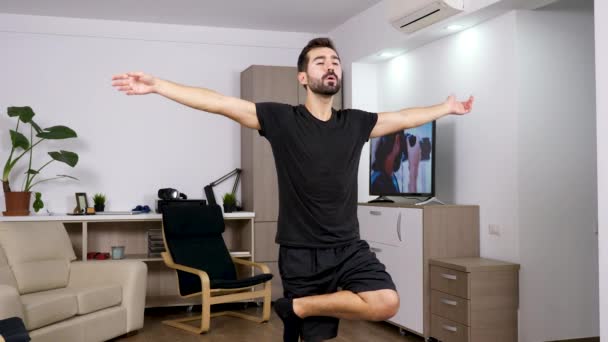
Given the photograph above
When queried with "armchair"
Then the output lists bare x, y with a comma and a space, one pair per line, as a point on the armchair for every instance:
196, 250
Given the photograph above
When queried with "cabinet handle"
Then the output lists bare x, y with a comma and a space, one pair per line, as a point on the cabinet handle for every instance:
375, 212
375, 249
449, 276
399, 227
449, 302
450, 328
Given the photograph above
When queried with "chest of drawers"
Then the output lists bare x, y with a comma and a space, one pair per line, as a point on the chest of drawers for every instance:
473, 300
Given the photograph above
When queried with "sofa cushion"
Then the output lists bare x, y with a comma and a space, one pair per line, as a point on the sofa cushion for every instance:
41, 275
47, 307
6, 274
34, 247
95, 298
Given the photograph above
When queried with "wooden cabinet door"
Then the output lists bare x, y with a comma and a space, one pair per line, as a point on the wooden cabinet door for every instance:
274, 84
265, 185
395, 235
266, 250
261, 83
409, 269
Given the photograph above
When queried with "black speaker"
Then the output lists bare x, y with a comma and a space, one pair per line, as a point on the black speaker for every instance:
170, 193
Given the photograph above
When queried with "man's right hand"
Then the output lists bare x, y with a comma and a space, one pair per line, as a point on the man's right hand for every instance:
138, 83
135, 83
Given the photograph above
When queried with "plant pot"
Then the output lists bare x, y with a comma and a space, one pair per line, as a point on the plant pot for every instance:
17, 203
99, 207
228, 208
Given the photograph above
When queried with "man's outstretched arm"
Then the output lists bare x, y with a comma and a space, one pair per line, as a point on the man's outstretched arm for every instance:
390, 122
138, 83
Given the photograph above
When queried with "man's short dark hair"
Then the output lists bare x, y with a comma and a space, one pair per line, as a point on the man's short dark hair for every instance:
313, 44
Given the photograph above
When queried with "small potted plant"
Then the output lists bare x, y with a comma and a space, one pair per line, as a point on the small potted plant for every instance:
18, 202
99, 202
229, 202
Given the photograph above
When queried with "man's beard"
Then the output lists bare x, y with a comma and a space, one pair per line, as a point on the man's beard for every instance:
318, 86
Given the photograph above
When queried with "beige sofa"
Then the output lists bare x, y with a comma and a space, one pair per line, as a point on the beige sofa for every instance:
60, 299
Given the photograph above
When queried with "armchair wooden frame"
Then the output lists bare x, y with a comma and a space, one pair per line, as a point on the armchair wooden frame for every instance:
216, 296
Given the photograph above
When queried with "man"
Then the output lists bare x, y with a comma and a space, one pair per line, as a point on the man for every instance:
328, 273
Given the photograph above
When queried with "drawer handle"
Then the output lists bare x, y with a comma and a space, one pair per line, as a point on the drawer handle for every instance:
375, 249
399, 227
450, 328
449, 302
449, 276
375, 212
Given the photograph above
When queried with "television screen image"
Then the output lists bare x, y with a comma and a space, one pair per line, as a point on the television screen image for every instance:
401, 164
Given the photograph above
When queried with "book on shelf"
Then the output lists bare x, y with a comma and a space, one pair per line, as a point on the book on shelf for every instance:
155, 243
240, 253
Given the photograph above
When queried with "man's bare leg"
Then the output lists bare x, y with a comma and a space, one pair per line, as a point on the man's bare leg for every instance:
370, 305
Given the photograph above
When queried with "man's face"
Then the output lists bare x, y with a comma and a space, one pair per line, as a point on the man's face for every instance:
324, 73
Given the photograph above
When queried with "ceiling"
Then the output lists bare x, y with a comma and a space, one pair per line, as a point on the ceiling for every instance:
314, 16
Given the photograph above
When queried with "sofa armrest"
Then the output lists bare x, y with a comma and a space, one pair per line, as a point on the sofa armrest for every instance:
10, 302
130, 274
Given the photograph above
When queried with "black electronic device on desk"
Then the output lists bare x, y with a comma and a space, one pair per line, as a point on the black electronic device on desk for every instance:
160, 204
172, 196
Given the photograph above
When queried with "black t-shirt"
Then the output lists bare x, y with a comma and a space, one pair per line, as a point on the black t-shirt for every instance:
317, 164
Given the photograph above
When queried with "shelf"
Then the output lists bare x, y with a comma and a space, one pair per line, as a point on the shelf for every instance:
239, 215
93, 232
144, 257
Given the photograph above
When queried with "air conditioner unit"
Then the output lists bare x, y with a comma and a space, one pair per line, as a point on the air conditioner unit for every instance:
412, 15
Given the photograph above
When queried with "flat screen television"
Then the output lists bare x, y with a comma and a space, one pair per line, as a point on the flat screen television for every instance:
403, 163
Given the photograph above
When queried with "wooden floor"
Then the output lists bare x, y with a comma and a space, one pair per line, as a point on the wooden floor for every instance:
239, 330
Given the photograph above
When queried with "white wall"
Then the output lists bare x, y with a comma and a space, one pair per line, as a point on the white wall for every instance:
601, 77
365, 95
473, 150
508, 155
130, 146
557, 172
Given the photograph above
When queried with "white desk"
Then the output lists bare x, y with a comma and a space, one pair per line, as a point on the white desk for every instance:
85, 219
162, 281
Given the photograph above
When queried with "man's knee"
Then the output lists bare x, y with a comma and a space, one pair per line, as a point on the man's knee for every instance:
384, 304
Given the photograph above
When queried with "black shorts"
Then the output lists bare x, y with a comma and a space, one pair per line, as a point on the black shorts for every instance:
314, 271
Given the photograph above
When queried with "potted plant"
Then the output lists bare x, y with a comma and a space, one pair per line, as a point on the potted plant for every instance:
229, 202
99, 201
18, 202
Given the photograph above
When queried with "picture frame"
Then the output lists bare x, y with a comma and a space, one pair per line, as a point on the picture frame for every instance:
81, 202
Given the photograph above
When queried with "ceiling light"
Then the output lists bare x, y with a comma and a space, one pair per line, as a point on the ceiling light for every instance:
386, 54
455, 27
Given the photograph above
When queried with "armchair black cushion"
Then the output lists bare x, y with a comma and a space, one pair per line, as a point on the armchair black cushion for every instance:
193, 234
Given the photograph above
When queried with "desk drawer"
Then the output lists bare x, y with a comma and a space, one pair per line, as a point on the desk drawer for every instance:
448, 331
451, 307
450, 281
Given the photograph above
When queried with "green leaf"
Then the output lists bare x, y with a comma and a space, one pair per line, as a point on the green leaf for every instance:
32, 172
68, 176
19, 140
57, 132
25, 114
67, 157
36, 127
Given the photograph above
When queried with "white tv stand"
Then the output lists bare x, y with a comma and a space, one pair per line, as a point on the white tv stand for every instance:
430, 200
404, 238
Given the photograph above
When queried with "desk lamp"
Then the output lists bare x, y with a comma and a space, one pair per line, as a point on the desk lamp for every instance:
209, 188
